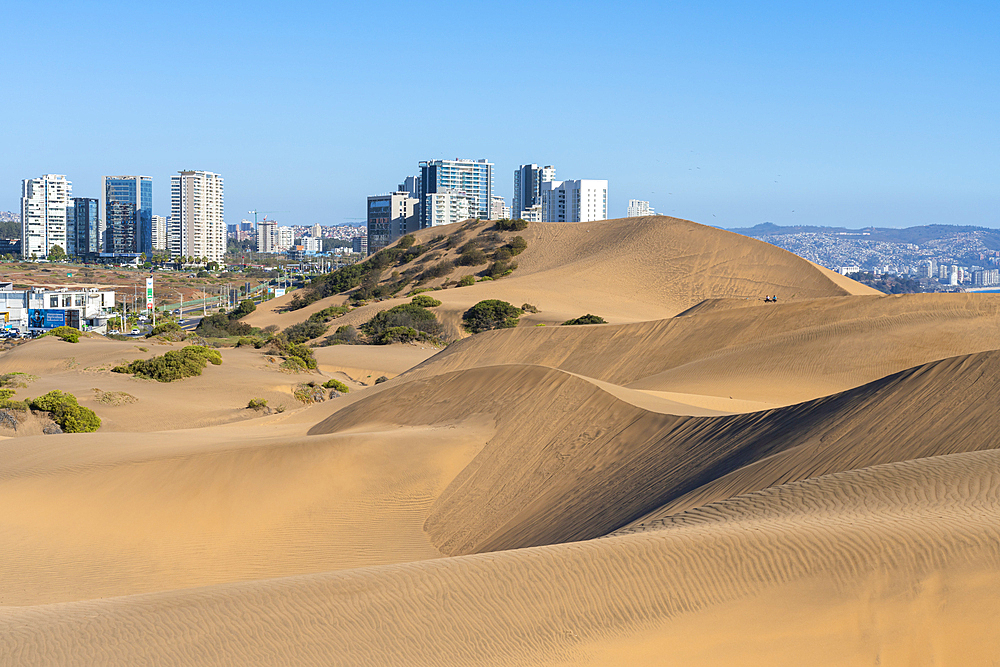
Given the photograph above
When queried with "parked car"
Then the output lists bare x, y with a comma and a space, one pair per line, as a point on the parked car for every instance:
135, 331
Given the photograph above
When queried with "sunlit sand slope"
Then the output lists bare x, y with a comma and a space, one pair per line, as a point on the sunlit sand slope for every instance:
97, 515
897, 564
775, 353
570, 461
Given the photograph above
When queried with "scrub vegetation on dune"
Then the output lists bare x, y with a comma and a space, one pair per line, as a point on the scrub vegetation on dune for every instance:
66, 412
186, 362
407, 264
491, 314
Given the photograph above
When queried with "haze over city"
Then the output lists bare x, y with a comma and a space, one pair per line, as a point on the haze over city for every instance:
731, 113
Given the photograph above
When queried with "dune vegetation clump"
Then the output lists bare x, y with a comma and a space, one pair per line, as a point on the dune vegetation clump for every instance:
114, 398
68, 334
400, 324
224, 325
188, 361
303, 331
164, 329
491, 314
258, 404
466, 281
425, 301
586, 319
309, 393
66, 412
7, 401
336, 384
510, 225
345, 335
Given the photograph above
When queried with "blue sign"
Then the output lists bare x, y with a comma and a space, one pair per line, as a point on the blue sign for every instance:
39, 318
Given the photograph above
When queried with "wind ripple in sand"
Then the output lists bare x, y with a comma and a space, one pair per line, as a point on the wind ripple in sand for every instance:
562, 603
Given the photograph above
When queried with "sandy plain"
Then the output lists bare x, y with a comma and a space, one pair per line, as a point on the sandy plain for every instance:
708, 479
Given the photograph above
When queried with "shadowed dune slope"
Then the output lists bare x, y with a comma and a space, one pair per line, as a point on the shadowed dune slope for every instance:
625, 270
776, 353
569, 461
896, 564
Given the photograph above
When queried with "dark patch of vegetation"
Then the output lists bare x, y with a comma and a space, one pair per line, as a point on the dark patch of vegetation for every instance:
528, 308
303, 331
330, 313
472, 255
438, 270
380, 379
585, 319
224, 325
66, 412
510, 225
401, 323
499, 269
309, 393
188, 361
345, 335
466, 281
68, 334
491, 314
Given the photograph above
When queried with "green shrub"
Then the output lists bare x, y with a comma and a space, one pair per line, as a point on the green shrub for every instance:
68, 334
303, 331
336, 384
472, 256
257, 404
329, 313
510, 225
407, 241
401, 323
12, 404
517, 245
174, 365
425, 301
438, 270
586, 319
500, 269
294, 365
528, 308
65, 411
491, 314
246, 307
6, 394
164, 327
466, 281
345, 335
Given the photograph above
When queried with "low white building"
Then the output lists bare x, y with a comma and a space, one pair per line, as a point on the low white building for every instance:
41, 308
499, 209
447, 206
638, 208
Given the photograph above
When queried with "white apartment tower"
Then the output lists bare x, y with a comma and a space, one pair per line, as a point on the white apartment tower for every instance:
286, 238
638, 208
159, 233
267, 236
196, 213
43, 214
584, 200
499, 209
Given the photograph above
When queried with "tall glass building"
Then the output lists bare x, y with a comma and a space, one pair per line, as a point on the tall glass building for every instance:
472, 177
128, 215
86, 227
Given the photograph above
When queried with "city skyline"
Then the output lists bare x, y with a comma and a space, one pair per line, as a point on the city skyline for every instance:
728, 114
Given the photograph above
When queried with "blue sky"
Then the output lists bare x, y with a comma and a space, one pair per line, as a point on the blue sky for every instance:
727, 113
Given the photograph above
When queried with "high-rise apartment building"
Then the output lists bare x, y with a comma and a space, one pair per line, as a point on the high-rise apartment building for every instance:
316, 231
128, 215
528, 179
389, 217
43, 214
267, 236
286, 238
638, 208
447, 206
85, 239
197, 226
584, 200
159, 233
473, 177
411, 186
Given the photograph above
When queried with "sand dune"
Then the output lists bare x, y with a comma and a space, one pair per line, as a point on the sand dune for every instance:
707, 480
888, 565
773, 353
625, 270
